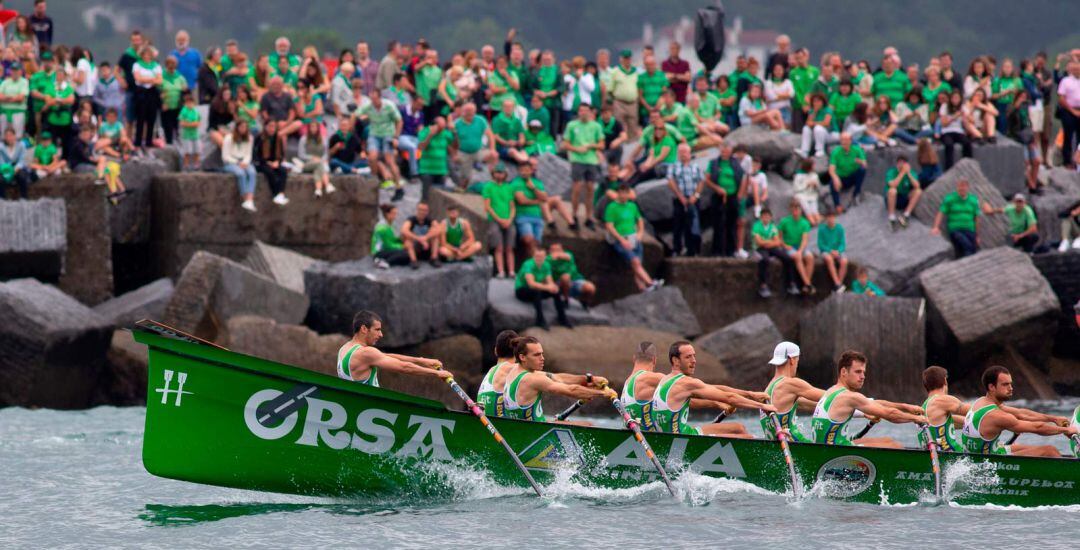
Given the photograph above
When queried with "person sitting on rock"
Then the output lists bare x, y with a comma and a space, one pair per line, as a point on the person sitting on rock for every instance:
534, 284
1070, 227
832, 242
572, 284
1023, 226
422, 236
795, 231
458, 241
902, 190
386, 245
960, 210
863, 285
767, 242
47, 159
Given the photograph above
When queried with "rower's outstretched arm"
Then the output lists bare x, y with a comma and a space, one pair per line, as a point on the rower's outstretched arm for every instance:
579, 379
808, 395
1032, 416
702, 390
576, 391
755, 395
908, 408
696, 403
393, 364
422, 361
1015, 425
877, 408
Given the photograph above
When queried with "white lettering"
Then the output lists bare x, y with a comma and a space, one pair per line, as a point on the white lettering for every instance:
265, 432
729, 463
315, 427
383, 433
675, 454
429, 428
628, 453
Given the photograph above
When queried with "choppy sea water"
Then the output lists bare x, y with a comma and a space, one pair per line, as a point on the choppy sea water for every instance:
75, 480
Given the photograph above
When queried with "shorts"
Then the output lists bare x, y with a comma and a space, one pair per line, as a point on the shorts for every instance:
1037, 115
902, 200
634, 253
576, 286
1031, 152
792, 251
504, 153
584, 172
497, 236
377, 144
809, 205
530, 226
190, 147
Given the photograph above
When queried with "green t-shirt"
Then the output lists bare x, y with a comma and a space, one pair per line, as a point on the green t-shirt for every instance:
427, 82
725, 175
960, 212
501, 197
894, 87
518, 184
624, 216
539, 142
522, 75
672, 149
433, 159
565, 267
547, 79
820, 114
579, 133
111, 130
384, 238
930, 94
825, 88
708, 106
540, 273
496, 79
543, 115
41, 82
905, 185
801, 80
506, 127
792, 230
831, 239
652, 86
60, 115
765, 231
44, 154
382, 122
172, 86
294, 62
843, 106
845, 161
859, 288
727, 94
11, 87
1011, 85
189, 133
686, 122
1019, 220
648, 135
470, 135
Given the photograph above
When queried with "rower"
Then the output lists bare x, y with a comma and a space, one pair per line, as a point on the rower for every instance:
359, 361
988, 417
942, 411
526, 383
639, 388
677, 392
843, 401
787, 392
1075, 422
490, 394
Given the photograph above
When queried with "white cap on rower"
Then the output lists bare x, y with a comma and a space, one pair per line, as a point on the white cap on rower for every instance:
783, 351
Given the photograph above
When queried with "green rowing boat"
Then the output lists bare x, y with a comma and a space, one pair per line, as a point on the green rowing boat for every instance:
222, 418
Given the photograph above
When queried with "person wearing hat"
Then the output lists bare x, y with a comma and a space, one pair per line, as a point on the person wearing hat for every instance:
1023, 227
786, 392
47, 159
537, 140
14, 90
499, 205
624, 93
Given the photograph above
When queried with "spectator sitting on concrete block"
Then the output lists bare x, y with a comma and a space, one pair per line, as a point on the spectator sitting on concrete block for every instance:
459, 244
863, 285
422, 236
1070, 227
961, 210
1023, 227
626, 229
902, 191
767, 242
832, 243
795, 231
386, 245
572, 284
534, 284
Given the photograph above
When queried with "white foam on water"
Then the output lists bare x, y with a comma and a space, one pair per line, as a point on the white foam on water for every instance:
469, 483
1070, 508
964, 476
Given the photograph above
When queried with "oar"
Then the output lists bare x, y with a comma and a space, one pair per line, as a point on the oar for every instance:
866, 429
494, 432
632, 425
1076, 439
720, 417
1013, 438
570, 410
932, 446
796, 489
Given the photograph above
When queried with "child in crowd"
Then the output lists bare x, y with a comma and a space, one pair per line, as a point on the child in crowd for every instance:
807, 188
832, 243
112, 137
313, 158
863, 284
929, 167
537, 140
190, 146
759, 188
47, 159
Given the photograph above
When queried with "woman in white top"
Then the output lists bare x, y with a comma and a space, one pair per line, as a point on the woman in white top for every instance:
752, 110
576, 81
978, 78
85, 75
236, 151
778, 93
807, 188
983, 115
312, 157
146, 100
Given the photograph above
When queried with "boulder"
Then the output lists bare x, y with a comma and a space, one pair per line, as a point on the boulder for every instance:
771, 147
664, 309
506, 312
52, 348
470, 205
416, 305
212, 289
993, 229
894, 258
280, 264
654, 200
1002, 163
88, 268
609, 352
744, 347
34, 239
460, 354
211, 159
130, 218
1062, 190
554, 171
201, 211
721, 291
1062, 271
169, 156
1063, 181
147, 302
1065, 375
890, 331
124, 382
989, 301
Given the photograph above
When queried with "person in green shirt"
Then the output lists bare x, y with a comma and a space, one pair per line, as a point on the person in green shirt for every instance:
890, 82
934, 85
458, 241
708, 109
384, 126
14, 91
802, 76
41, 82
509, 133
501, 208
820, 127
540, 113
832, 243
56, 111
435, 142
46, 159
190, 146
1003, 89
502, 84
1023, 226
768, 243
172, 87
545, 87
625, 230
728, 101
651, 84
902, 190
960, 210
583, 138
538, 141
795, 232
469, 133
843, 102
534, 284
863, 285
386, 245
564, 269
847, 170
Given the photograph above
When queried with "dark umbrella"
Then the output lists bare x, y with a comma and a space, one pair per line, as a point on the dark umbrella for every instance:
709, 35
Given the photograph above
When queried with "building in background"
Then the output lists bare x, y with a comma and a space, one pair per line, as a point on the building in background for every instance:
753, 42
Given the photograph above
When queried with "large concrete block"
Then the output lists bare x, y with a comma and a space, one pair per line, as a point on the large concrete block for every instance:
890, 331
33, 239
993, 228
744, 347
52, 348
721, 291
88, 268
212, 289
894, 258
554, 171
773, 148
1062, 271
280, 264
664, 309
506, 312
416, 305
147, 302
1002, 163
201, 211
989, 301
124, 382
130, 219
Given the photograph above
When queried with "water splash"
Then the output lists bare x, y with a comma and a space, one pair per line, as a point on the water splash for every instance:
965, 476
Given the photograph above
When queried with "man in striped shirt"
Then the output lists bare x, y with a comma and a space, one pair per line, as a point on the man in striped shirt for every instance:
686, 181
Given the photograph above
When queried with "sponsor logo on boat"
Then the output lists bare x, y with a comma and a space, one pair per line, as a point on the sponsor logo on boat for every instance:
557, 447
719, 458
181, 379
847, 476
375, 430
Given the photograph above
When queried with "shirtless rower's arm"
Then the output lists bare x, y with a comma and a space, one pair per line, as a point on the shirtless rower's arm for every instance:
910, 409
755, 395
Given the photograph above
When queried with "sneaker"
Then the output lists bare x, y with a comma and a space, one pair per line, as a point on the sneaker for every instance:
840, 289
903, 220
330, 188
820, 154
809, 290
659, 283
398, 195
99, 181
802, 153
500, 275
742, 254
543, 324
574, 226
992, 139
381, 263
401, 182
1076, 243
757, 211
793, 290
414, 265
893, 224
891, 142
280, 199
386, 184
1064, 246
436, 263
590, 224
551, 226
318, 193
764, 292
565, 322
248, 205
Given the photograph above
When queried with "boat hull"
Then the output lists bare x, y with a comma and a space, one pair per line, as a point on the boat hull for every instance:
222, 418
